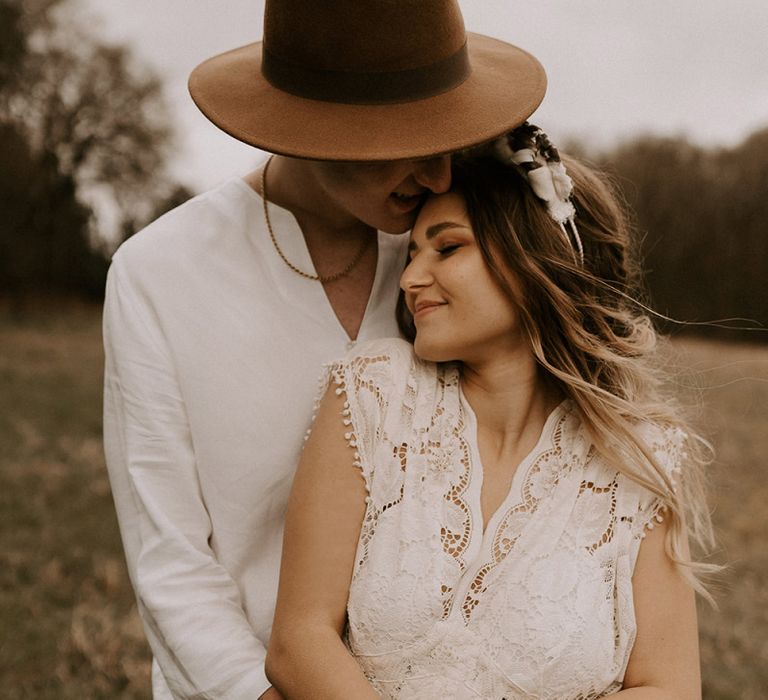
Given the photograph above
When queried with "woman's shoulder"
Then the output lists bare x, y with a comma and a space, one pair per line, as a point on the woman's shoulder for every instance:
637, 491
664, 442
667, 443
384, 377
392, 349
380, 381
384, 361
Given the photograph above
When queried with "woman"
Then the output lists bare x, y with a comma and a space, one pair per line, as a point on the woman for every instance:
520, 528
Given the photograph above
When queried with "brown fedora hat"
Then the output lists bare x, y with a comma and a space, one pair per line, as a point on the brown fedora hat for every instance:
368, 80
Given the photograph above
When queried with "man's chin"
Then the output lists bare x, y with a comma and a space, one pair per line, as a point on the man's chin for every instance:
400, 227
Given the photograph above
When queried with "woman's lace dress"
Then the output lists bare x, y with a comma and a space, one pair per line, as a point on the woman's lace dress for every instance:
537, 606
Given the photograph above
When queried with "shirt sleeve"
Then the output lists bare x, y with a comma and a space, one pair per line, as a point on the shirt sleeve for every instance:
190, 605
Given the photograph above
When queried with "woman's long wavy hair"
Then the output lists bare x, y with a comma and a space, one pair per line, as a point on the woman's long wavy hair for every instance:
588, 329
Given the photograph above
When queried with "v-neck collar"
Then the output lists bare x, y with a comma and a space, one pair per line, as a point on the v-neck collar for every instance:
514, 495
481, 554
301, 290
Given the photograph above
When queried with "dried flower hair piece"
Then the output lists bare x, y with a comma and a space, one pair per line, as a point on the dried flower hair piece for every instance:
529, 149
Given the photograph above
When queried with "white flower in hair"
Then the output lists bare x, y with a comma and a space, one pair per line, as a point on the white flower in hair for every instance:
563, 182
542, 184
529, 150
552, 185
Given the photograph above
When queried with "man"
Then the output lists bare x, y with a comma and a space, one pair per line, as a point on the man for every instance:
220, 315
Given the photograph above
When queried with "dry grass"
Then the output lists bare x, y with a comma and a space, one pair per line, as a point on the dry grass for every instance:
68, 625
732, 381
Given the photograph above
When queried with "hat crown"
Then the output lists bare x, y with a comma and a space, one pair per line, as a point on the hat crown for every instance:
363, 36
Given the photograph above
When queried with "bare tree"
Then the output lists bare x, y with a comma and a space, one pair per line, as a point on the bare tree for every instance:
91, 108
84, 128
702, 215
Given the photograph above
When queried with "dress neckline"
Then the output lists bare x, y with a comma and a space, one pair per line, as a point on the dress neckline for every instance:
477, 471
482, 552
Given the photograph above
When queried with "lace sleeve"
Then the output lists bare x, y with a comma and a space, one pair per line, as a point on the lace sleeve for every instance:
668, 447
373, 379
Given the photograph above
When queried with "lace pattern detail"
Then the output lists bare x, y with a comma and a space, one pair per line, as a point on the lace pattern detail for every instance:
668, 447
456, 525
362, 379
538, 606
541, 477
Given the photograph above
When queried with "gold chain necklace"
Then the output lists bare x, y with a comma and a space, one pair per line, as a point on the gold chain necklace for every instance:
317, 278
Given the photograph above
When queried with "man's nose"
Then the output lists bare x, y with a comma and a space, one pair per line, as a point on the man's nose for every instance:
435, 174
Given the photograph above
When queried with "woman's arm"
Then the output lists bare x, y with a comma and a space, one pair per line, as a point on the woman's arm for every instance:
307, 657
664, 663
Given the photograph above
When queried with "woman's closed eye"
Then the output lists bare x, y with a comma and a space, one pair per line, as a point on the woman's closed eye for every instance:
446, 250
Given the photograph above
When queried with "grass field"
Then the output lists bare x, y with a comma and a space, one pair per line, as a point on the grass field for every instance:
68, 626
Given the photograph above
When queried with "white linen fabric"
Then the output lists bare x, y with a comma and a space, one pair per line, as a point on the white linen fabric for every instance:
537, 606
213, 350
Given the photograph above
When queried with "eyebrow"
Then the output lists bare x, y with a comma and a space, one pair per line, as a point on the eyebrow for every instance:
435, 229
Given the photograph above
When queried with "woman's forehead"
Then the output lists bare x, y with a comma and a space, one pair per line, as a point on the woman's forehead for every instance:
449, 206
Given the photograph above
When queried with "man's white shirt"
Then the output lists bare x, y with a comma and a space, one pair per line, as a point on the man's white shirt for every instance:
214, 348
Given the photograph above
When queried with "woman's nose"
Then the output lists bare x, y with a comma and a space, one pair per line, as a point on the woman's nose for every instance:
414, 276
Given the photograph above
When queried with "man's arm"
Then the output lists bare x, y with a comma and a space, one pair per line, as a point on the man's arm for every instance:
189, 603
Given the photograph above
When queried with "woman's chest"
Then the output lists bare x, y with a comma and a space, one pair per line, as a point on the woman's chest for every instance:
545, 588
424, 564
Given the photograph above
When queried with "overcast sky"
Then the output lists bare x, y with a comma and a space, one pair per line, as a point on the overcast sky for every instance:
616, 67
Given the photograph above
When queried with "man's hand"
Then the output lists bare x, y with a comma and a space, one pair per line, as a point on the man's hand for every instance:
270, 694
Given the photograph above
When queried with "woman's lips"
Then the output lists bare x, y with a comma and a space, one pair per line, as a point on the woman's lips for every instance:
426, 307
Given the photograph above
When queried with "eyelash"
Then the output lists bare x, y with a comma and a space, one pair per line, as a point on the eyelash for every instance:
443, 251
448, 249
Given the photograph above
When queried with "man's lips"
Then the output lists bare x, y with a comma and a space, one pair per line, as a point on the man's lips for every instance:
405, 203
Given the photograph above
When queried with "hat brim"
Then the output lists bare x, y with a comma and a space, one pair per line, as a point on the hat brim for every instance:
505, 87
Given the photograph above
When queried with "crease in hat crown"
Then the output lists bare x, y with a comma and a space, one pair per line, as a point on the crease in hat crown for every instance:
374, 52
368, 80
363, 35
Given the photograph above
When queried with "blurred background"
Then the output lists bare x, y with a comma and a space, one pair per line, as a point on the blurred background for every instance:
98, 137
